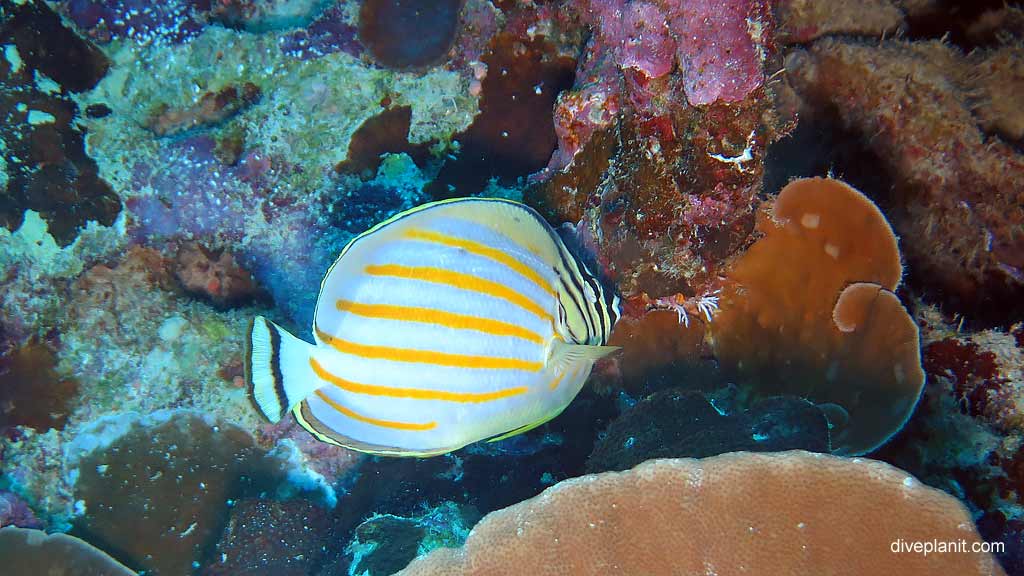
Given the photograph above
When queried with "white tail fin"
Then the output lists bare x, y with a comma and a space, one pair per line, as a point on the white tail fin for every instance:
277, 369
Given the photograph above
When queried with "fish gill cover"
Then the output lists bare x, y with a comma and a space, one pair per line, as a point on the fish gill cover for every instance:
169, 170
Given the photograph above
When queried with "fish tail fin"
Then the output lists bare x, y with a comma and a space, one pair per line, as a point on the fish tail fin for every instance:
277, 368
565, 354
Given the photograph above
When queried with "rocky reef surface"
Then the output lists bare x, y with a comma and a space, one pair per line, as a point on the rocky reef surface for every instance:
168, 170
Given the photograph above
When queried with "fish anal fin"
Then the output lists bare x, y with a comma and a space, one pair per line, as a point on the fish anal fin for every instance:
324, 433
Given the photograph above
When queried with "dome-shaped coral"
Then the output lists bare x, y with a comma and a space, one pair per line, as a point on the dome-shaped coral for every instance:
735, 514
28, 551
408, 33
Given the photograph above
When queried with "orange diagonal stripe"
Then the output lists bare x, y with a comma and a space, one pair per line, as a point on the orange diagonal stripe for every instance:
427, 356
481, 249
374, 390
382, 423
556, 381
440, 318
458, 280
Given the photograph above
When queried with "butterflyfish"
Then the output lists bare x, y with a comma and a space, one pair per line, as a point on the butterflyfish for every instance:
450, 323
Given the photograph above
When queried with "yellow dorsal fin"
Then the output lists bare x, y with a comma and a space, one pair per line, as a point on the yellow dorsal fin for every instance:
564, 355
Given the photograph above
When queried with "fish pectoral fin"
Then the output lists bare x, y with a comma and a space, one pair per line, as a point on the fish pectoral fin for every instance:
564, 355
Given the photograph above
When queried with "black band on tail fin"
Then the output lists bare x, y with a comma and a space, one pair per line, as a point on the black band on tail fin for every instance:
263, 369
275, 366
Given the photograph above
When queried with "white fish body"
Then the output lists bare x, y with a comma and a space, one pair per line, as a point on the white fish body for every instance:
447, 324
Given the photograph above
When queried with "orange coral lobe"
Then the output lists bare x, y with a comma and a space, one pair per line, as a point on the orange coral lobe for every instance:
785, 328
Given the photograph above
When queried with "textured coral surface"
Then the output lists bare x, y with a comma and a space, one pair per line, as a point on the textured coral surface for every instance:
741, 513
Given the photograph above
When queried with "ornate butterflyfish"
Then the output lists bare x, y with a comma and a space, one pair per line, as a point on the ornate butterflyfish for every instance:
450, 323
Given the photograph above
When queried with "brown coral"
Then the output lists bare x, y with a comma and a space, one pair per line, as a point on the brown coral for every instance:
804, 20
738, 513
922, 109
31, 392
156, 496
782, 330
27, 551
385, 133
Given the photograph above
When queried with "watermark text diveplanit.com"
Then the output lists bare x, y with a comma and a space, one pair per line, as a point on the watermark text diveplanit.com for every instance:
926, 547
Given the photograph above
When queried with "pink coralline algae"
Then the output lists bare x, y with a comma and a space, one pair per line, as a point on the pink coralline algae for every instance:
718, 48
639, 35
661, 140
717, 45
714, 52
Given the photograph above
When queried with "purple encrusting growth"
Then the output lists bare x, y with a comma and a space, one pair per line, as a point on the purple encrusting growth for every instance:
142, 21
15, 512
193, 194
331, 32
287, 242
195, 197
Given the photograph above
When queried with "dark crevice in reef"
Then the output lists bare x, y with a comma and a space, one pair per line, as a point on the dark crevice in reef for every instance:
385, 133
952, 21
820, 145
514, 133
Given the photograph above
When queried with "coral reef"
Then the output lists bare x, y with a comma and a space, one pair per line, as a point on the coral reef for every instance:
791, 322
966, 436
171, 169
792, 512
935, 120
661, 140
154, 496
46, 166
36, 552
270, 537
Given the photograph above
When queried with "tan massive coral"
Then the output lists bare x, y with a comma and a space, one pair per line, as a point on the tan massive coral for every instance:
739, 513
